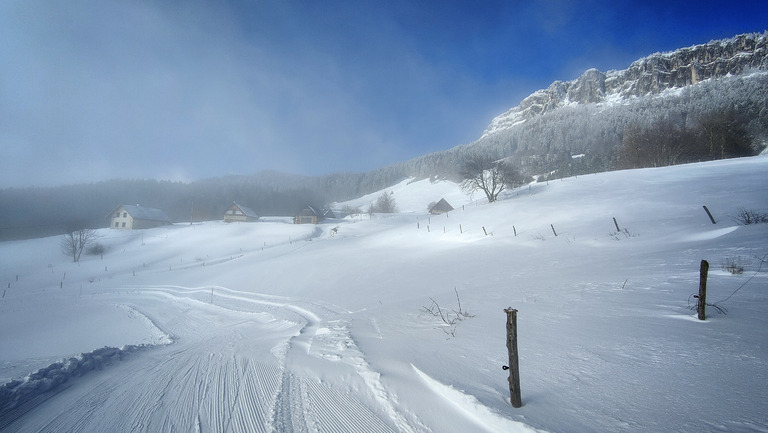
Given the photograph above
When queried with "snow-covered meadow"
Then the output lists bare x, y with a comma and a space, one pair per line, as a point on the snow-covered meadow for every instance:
271, 326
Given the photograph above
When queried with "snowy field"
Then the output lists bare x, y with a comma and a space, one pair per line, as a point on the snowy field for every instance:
274, 327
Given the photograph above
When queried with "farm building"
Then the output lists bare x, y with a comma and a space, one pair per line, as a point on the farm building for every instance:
440, 207
134, 217
308, 215
239, 213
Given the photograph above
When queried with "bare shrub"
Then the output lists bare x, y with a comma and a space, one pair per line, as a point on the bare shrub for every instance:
450, 319
750, 216
734, 265
96, 249
621, 234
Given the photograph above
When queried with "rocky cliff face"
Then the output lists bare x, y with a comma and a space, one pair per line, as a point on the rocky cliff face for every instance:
647, 76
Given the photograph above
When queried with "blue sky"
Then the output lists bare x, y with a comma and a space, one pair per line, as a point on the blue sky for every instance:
184, 90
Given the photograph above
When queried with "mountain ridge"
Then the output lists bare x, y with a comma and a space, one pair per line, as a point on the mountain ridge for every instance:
646, 76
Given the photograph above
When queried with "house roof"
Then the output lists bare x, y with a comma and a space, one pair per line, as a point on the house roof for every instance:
441, 206
310, 211
144, 213
246, 210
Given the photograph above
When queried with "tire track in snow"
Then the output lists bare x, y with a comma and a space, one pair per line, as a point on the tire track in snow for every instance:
337, 412
202, 397
334, 345
199, 383
293, 414
212, 377
289, 407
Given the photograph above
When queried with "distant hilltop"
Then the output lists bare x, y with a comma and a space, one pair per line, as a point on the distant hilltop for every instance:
647, 76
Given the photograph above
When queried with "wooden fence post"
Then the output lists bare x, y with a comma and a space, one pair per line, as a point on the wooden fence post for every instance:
616, 224
709, 214
553, 229
703, 290
514, 369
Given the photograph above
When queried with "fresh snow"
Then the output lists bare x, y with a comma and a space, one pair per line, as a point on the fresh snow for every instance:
270, 326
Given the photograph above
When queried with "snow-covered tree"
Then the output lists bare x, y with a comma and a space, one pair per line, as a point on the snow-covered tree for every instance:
385, 203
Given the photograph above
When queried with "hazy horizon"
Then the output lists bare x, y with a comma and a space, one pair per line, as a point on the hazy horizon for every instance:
96, 91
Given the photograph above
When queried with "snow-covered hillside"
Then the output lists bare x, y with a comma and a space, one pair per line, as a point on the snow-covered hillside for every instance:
271, 326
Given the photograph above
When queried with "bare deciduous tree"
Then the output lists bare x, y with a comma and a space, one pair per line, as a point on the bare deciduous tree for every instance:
481, 172
75, 242
725, 135
659, 145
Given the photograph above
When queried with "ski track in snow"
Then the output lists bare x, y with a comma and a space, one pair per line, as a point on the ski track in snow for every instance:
202, 382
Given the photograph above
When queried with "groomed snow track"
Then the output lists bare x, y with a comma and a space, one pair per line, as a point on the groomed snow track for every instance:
247, 370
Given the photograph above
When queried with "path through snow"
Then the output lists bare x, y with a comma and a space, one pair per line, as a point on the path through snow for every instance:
260, 365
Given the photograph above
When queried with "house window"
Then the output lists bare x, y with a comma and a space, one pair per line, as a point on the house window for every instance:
125, 214
123, 224
117, 224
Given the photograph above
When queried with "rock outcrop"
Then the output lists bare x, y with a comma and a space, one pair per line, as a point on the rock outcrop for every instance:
650, 75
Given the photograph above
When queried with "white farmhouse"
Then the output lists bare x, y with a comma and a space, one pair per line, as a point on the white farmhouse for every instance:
130, 217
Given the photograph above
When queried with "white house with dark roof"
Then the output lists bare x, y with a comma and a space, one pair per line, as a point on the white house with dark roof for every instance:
239, 213
134, 217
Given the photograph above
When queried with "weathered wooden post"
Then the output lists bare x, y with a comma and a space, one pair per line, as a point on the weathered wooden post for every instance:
703, 290
514, 369
709, 214
616, 224
553, 229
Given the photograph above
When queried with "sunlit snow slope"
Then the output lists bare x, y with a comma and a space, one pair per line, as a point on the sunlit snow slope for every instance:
271, 326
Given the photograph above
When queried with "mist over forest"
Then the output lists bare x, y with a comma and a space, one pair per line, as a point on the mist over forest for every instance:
734, 106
